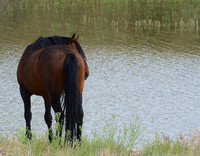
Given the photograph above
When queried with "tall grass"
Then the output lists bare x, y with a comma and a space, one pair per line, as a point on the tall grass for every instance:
183, 145
113, 141
181, 15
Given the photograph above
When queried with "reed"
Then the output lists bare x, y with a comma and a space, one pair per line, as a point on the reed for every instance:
179, 15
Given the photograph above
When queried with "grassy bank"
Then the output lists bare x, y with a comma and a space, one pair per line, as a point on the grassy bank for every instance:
183, 145
181, 15
113, 141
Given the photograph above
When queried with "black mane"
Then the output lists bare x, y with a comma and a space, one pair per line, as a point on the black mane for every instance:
43, 42
78, 46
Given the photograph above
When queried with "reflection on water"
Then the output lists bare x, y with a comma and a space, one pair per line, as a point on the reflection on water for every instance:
155, 76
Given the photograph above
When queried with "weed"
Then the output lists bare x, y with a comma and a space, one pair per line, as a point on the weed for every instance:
112, 141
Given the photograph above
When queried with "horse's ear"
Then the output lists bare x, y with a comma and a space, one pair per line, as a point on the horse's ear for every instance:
77, 38
73, 38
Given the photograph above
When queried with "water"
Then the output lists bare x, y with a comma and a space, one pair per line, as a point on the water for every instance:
154, 75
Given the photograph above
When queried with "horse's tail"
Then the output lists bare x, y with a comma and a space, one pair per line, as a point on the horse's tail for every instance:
70, 74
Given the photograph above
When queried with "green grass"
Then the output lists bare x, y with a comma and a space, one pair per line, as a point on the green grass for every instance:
180, 15
112, 141
183, 145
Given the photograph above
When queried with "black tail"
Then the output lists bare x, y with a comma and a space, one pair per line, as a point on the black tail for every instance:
71, 97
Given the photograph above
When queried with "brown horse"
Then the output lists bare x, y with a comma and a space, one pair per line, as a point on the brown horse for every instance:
54, 68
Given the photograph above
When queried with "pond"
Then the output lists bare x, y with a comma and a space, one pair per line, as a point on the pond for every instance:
153, 74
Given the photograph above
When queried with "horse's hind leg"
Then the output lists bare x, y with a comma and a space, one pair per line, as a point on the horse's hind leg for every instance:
48, 119
56, 105
79, 127
80, 120
25, 94
54, 102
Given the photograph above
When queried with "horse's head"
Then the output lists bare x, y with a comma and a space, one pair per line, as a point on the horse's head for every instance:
74, 42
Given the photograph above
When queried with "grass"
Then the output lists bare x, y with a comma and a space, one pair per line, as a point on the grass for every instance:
113, 141
187, 146
179, 15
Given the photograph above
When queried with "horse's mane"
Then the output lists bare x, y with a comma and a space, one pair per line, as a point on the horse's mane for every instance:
43, 42
78, 46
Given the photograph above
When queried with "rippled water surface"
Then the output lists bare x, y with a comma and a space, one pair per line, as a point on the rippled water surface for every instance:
154, 75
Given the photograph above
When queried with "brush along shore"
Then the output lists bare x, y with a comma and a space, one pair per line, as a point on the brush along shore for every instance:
112, 141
